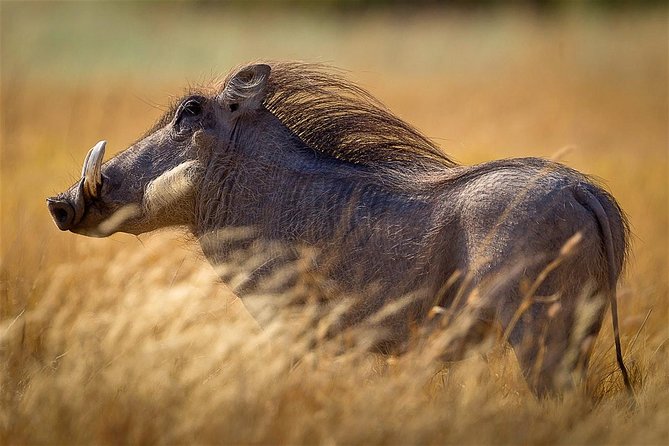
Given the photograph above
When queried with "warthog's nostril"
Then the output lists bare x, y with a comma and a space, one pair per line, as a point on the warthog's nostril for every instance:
62, 213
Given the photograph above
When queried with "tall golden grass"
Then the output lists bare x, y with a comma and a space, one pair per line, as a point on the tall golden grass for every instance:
133, 340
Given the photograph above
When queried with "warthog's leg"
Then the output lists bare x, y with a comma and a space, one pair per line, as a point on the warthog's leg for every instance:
538, 260
552, 330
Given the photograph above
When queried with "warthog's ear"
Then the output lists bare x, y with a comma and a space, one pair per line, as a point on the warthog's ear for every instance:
246, 89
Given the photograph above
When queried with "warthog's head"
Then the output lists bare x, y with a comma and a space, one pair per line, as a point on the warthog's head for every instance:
155, 182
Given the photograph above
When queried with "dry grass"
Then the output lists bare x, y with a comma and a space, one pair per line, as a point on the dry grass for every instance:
127, 340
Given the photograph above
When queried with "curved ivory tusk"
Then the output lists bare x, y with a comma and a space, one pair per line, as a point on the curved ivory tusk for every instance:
91, 172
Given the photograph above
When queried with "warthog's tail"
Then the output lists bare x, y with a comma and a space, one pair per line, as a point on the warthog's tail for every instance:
587, 199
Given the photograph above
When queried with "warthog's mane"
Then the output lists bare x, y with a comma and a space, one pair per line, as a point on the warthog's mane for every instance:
335, 117
340, 119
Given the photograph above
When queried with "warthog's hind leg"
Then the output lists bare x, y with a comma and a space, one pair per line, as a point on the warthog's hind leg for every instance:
554, 336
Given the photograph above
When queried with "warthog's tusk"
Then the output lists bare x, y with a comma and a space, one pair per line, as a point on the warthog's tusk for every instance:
91, 172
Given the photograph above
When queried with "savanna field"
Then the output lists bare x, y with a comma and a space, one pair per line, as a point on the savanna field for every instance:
133, 340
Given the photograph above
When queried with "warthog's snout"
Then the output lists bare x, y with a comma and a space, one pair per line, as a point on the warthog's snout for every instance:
62, 212
68, 208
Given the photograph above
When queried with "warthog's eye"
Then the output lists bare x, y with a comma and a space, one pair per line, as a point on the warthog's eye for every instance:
190, 108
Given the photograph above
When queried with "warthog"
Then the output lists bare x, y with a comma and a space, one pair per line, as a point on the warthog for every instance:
296, 157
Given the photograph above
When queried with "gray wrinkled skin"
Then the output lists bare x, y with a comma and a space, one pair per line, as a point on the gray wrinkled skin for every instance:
301, 161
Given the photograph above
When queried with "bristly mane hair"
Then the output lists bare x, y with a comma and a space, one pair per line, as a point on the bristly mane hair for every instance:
338, 118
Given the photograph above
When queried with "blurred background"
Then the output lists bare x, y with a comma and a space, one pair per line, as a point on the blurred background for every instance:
485, 79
